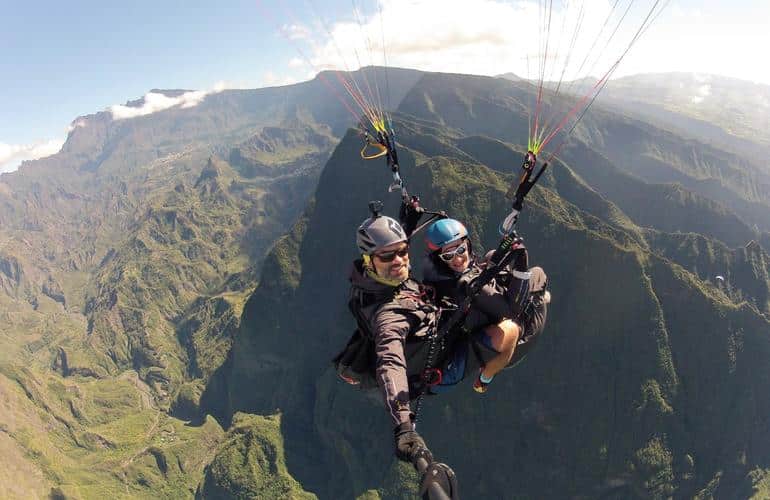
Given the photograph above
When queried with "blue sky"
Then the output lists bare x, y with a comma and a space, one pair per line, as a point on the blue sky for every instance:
61, 60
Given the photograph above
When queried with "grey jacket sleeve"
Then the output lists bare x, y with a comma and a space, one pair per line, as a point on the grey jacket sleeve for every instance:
390, 330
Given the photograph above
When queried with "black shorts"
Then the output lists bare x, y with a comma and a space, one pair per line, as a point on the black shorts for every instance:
474, 351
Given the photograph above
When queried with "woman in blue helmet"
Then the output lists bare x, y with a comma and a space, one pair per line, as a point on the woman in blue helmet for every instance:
506, 316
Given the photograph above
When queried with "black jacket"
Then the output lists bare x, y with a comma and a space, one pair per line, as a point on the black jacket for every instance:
400, 321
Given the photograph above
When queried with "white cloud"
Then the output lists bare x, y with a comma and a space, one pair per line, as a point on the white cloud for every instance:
701, 93
272, 79
296, 62
699, 78
231, 85
721, 41
154, 102
486, 37
78, 123
11, 155
223, 85
296, 31
490, 37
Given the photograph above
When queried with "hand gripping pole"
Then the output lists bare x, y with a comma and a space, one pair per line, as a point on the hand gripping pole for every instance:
525, 184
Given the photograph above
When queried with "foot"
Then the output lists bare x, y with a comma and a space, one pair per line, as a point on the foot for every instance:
479, 385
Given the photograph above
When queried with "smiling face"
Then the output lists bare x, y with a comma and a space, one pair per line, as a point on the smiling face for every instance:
458, 253
392, 262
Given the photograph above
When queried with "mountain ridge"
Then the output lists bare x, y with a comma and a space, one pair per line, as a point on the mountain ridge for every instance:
144, 284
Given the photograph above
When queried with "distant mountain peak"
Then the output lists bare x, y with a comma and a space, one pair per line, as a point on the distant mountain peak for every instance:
510, 76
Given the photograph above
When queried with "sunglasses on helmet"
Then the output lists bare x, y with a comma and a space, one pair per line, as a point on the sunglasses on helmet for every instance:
458, 250
391, 256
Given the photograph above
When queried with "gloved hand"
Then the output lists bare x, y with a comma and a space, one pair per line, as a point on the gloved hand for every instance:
520, 260
409, 214
409, 443
467, 281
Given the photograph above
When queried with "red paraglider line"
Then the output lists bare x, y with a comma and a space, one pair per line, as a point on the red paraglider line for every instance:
575, 108
542, 70
555, 113
355, 97
360, 97
603, 81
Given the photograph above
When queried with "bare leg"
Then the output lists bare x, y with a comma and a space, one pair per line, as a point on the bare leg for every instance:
504, 336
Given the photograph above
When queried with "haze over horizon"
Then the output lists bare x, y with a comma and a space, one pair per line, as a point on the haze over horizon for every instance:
95, 57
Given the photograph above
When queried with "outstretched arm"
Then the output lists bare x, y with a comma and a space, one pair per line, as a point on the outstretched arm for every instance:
390, 334
390, 331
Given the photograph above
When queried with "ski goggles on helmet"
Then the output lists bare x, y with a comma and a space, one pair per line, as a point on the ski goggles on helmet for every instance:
391, 255
458, 250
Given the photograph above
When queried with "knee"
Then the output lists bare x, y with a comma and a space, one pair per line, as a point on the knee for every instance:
509, 328
511, 332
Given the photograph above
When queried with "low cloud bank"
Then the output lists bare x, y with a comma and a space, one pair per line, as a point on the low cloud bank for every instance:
11, 155
154, 102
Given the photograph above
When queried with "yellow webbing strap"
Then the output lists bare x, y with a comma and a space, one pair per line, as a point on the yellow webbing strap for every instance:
381, 150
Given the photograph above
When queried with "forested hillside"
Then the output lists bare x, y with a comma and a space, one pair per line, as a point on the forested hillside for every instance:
173, 287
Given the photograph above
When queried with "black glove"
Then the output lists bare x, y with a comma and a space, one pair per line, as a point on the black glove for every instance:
520, 260
409, 214
467, 281
409, 444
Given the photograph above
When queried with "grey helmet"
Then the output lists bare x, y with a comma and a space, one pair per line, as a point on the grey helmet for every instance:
378, 232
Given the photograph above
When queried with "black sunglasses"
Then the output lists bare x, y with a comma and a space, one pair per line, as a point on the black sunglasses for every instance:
391, 256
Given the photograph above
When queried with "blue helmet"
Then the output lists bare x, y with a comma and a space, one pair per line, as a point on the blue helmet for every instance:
443, 232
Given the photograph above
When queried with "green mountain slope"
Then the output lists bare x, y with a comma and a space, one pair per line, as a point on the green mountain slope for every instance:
131, 254
251, 463
145, 301
499, 108
725, 110
745, 270
606, 405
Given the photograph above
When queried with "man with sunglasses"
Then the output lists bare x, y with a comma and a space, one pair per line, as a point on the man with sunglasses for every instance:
506, 316
396, 315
